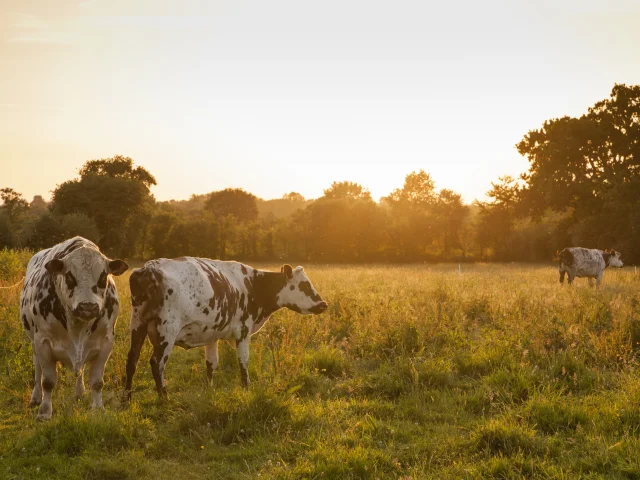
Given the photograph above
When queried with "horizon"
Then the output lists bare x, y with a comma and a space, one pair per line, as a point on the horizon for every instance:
289, 97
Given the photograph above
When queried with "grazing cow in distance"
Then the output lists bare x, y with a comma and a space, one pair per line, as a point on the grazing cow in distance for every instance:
586, 262
194, 302
69, 306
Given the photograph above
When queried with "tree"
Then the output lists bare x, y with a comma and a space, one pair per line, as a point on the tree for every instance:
118, 167
112, 193
235, 202
293, 197
450, 212
351, 190
590, 166
412, 221
418, 191
13, 204
498, 215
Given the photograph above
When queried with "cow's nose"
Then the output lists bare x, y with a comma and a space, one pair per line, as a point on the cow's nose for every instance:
87, 310
322, 306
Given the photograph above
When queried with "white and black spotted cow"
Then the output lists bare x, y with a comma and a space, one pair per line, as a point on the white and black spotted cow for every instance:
586, 262
69, 306
194, 302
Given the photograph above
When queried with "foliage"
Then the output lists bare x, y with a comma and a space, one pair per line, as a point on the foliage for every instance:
233, 202
111, 192
346, 190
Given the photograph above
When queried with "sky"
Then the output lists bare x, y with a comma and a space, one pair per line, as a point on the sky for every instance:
291, 95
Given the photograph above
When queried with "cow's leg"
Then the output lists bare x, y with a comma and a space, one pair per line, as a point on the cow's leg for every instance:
138, 335
36, 395
49, 379
211, 352
598, 280
80, 383
562, 273
96, 377
242, 347
570, 278
591, 282
163, 339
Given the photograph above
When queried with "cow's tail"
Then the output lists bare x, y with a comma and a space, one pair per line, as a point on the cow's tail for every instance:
146, 300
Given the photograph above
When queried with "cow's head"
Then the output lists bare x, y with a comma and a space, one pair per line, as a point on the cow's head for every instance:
85, 272
298, 293
612, 259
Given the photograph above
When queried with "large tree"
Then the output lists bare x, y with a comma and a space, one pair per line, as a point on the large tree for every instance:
590, 166
233, 202
574, 161
112, 192
352, 190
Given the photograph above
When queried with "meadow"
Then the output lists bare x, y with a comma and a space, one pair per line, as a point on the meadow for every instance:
415, 371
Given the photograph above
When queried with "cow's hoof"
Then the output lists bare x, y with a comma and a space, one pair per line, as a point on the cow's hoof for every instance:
34, 403
43, 417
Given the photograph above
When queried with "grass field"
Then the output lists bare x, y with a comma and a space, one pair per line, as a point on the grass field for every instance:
413, 372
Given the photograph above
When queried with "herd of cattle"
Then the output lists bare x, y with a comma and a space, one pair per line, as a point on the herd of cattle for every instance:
69, 307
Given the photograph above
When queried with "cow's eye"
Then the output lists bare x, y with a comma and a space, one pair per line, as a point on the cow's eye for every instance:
70, 280
102, 281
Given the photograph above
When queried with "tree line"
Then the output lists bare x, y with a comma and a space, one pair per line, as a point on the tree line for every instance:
582, 188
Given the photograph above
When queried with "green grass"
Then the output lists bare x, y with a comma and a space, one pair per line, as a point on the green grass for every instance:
413, 372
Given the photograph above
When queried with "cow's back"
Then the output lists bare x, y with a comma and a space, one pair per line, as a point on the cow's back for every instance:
190, 289
583, 262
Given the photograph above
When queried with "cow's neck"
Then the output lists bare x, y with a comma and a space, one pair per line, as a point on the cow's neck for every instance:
267, 286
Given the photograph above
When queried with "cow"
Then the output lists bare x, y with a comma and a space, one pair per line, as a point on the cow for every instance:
193, 302
586, 262
68, 307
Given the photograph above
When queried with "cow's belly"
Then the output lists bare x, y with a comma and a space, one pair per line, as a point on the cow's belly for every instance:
197, 335
587, 272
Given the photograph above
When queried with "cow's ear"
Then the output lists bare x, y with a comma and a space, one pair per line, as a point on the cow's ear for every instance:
287, 271
117, 267
54, 266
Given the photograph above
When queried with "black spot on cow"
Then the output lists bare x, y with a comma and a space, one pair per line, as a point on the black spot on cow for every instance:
102, 280
566, 257
243, 269
198, 304
170, 291
205, 329
25, 323
70, 280
51, 304
146, 286
94, 289
292, 287
305, 287
35, 312
225, 297
110, 301
95, 324
205, 311
47, 384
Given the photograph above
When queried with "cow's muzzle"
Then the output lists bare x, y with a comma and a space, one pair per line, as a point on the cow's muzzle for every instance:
319, 308
87, 310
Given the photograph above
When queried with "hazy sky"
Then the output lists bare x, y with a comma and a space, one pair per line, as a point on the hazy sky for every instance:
279, 96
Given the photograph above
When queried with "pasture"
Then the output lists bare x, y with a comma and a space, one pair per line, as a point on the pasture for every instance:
414, 372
